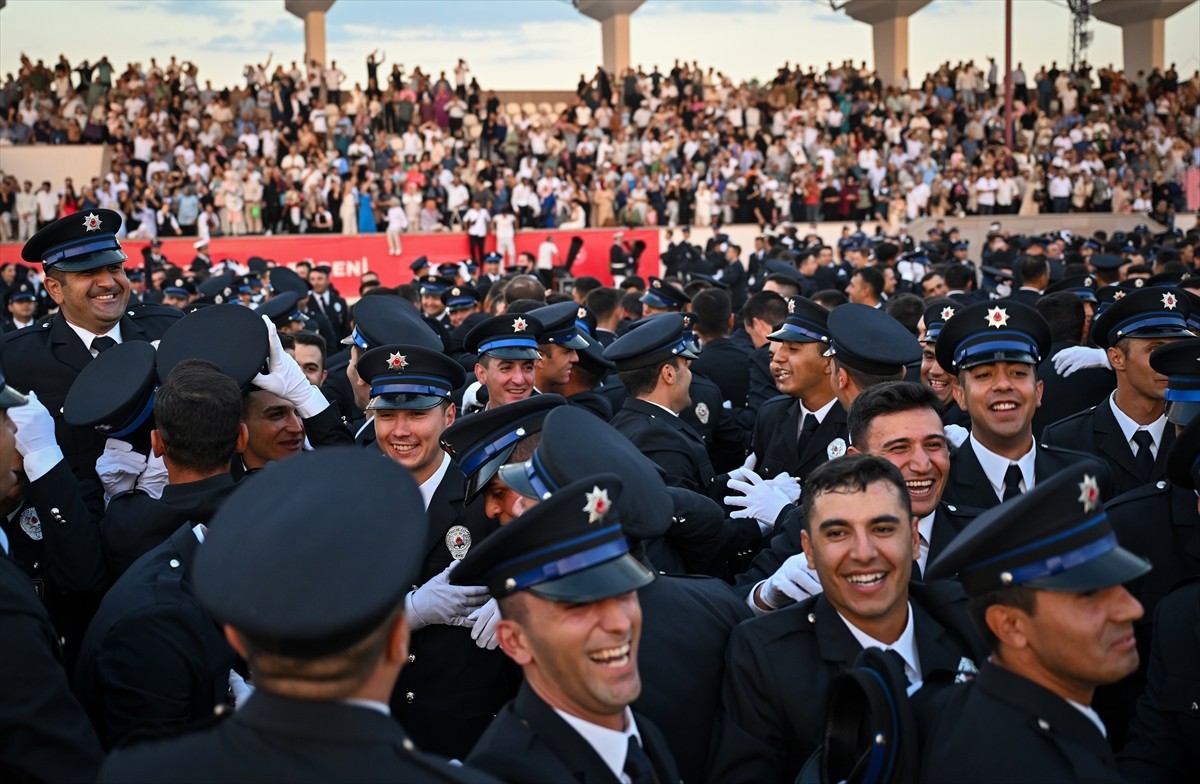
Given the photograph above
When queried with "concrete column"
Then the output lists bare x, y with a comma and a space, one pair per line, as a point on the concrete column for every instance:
1143, 24
889, 32
613, 16
313, 14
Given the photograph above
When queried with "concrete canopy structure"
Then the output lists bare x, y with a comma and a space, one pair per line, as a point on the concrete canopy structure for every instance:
1143, 24
889, 32
313, 14
613, 16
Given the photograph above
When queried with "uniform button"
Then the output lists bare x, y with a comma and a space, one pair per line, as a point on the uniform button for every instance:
412, 657
952, 507
812, 617
1196, 707
407, 744
1044, 725
1160, 484
409, 697
54, 511
174, 563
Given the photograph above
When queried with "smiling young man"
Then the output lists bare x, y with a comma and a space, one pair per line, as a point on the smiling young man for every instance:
559, 345
1044, 574
860, 538
508, 352
933, 375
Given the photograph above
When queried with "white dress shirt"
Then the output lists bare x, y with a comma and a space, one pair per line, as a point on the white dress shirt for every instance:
87, 336
430, 485
1129, 427
905, 645
995, 466
611, 745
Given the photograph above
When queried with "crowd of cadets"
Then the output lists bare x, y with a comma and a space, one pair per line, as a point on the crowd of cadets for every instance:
789, 513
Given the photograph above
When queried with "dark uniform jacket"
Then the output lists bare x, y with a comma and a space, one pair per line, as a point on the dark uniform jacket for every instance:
780, 667
1097, 432
1003, 728
273, 738
450, 689
777, 432
337, 312
968, 485
136, 523
761, 384
1064, 396
1164, 741
725, 363
668, 441
686, 623
530, 743
153, 659
44, 733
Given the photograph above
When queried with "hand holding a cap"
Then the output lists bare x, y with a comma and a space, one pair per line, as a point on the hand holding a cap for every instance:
285, 378
439, 602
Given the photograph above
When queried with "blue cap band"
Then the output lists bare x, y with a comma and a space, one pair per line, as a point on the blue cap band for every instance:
1004, 341
137, 422
654, 300
476, 460
359, 340
1162, 320
82, 247
576, 562
1059, 562
804, 332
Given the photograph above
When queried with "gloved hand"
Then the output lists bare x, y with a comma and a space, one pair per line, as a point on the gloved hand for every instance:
154, 478
1075, 358
119, 468
35, 437
287, 380
439, 602
760, 500
956, 434
483, 625
792, 582
745, 469
470, 400
788, 485
240, 689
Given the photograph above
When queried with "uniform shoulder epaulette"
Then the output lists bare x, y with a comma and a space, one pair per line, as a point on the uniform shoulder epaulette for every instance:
777, 400
146, 310
1145, 491
1070, 418
36, 328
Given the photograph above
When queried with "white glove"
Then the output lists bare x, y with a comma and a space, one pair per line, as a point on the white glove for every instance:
240, 689
154, 478
788, 485
439, 602
745, 469
287, 380
792, 582
956, 434
1075, 358
119, 468
35, 437
760, 500
483, 625
470, 400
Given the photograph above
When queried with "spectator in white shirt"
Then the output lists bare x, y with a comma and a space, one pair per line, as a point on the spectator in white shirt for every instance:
397, 223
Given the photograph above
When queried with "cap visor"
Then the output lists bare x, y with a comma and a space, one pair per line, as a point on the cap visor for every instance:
404, 402
1182, 412
99, 259
576, 342
513, 352
347, 341
997, 356
514, 476
11, 398
602, 581
1113, 568
478, 481
790, 336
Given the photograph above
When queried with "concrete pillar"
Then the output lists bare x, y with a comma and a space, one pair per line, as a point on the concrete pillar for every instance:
313, 14
1142, 24
613, 16
889, 32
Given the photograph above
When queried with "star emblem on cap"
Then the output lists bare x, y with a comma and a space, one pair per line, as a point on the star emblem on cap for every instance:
997, 317
519, 324
91, 222
1118, 295
791, 306
1089, 493
454, 292
1169, 301
581, 313
947, 313
597, 504
656, 284
397, 361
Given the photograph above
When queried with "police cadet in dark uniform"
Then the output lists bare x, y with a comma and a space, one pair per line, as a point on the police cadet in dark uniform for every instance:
652, 361
860, 531
451, 688
621, 263
20, 302
571, 619
933, 375
83, 261
559, 344
283, 280
44, 733
994, 348
1043, 573
687, 618
663, 297
1129, 431
507, 351
323, 650
1064, 395
463, 304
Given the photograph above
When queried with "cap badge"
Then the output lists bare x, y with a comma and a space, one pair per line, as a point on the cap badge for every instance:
581, 313
1089, 493
997, 317
1118, 295
597, 504
454, 292
656, 284
1169, 302
91, 222
519, 325
397, 361
458, 541
947, 313
966, 670
791, 306
836, 448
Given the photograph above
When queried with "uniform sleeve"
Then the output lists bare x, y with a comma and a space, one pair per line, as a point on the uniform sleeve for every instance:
783, 545
328, 429
72, 537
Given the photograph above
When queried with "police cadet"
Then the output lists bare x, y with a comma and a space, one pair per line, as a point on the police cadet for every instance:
663, 297
933, 375
507, 349
652, 361
44, 733
452, 688
20, 302
558, 345
994, 348
567, 587
432, 287
178, 293
1044, 574
326, 301
861, 538
323, 651
1129, 431
283, 280
83, 262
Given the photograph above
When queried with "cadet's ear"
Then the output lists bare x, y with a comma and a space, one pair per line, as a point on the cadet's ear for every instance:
1008, 624
235, 641
243, 439
512, 640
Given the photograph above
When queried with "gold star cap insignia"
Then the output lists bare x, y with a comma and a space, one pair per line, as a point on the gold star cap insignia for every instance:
1089, 493
1169, 301
397, 361
519, 325
997, 317
597, 505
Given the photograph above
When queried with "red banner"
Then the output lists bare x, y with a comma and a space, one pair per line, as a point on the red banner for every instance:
349, 256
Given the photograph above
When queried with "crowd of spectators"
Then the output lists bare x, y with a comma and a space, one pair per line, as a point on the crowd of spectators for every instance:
297, 149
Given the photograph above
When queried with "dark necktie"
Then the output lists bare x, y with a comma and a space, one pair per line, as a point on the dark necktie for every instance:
1012, 482
807, 429
1144, 457
637, 764
102, 344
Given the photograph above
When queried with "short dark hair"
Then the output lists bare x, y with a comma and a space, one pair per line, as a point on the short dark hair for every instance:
890, 397
631, 303
766, 305
305, 338
786, 281
643, 380
1019, 596
871, 277
907, 309
198, 415
524, 287
603, 301
1033, 267
586, 285
864, 380
852, 473
1065, 313
958, 277
713, 309
830, 298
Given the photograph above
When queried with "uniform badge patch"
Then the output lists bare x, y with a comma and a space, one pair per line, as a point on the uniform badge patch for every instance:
966, 670
702, 413
458, 541
836, 448
31, 525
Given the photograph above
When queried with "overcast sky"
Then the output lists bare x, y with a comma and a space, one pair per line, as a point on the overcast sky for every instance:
546, 44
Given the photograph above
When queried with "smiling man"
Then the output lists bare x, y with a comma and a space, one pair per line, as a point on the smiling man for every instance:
559, 345
508, 352
860, 538
933, 375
